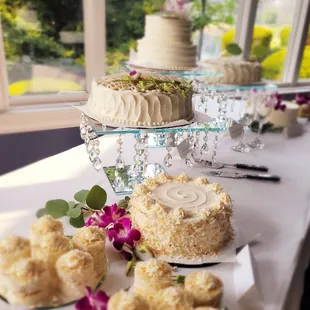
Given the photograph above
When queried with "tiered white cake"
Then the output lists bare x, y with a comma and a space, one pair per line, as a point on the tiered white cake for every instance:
235, 71
166, 44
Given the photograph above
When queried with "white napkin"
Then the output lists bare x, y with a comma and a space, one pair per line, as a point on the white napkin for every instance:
245, 278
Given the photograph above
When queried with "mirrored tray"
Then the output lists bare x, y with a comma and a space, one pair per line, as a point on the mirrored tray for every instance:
124, 180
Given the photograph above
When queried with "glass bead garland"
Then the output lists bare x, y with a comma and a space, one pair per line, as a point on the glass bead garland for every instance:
91, 141
168, 157
120, 163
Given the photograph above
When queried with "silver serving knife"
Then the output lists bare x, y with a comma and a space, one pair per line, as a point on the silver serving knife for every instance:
236, 175
237, 165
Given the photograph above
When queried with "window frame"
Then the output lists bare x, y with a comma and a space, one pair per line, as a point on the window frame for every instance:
4, 86
40, 109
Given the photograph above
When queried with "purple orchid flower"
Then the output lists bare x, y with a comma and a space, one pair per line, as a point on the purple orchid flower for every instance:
278, 105
134, 74
302, 99
122, 234
108, 215
93, 301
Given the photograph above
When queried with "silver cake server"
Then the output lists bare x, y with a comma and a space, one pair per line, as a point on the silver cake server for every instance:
237, 165
236, 175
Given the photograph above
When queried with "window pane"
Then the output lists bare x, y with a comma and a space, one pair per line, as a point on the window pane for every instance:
271, 35
219, 31
125, 24
304, 71
44, 46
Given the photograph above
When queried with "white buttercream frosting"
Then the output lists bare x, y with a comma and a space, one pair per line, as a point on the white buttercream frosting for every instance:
166, 43
187, 196
235, 71
284, 118
123, 103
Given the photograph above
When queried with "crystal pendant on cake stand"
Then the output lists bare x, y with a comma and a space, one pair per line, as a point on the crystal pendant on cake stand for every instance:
122, 176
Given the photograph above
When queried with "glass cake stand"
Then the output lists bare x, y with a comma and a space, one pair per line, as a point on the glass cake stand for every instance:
124, 177
208, 100
194, 73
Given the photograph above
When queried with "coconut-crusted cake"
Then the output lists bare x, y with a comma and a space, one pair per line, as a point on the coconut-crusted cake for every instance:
180, 217
141, 100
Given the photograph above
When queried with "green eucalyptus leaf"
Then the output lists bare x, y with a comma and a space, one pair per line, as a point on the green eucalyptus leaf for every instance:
233, 49
77, 222
41, 212
81, 195
76, 211
71, 204
96, 198
57, 208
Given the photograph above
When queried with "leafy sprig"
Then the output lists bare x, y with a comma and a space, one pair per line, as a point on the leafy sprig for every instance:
86, 201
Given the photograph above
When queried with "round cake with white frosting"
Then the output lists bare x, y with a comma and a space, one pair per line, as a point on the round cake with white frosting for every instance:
182, 218
283, 118
141, 100
235, 71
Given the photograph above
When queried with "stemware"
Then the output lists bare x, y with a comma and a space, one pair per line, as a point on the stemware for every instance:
265, 103
247, 109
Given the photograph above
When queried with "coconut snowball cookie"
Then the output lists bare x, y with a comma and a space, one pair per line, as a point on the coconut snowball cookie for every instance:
181, 217
206, 288
46, 224
173, 298
29, 280
152, 276
128, 301
51, 247
92, 240
12, 249
75, 271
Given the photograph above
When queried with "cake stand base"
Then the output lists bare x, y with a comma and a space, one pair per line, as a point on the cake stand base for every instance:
124, 180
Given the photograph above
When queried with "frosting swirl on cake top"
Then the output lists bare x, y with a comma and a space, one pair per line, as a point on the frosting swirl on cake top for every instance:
186, 196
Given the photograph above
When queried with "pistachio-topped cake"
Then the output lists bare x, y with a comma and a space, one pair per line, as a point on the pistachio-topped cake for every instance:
180, 217
137, 99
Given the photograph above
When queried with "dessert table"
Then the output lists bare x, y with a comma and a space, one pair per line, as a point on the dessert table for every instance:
274, 217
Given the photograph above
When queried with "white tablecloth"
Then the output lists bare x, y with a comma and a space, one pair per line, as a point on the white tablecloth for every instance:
277, 214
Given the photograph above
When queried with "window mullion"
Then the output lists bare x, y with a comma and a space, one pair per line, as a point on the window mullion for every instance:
94, 39
4, 94
297, 42
245, 25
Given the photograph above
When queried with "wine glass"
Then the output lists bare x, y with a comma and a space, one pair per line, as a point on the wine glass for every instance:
265, 103
246, 113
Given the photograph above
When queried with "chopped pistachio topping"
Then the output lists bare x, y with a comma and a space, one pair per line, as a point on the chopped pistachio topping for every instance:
144, 83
